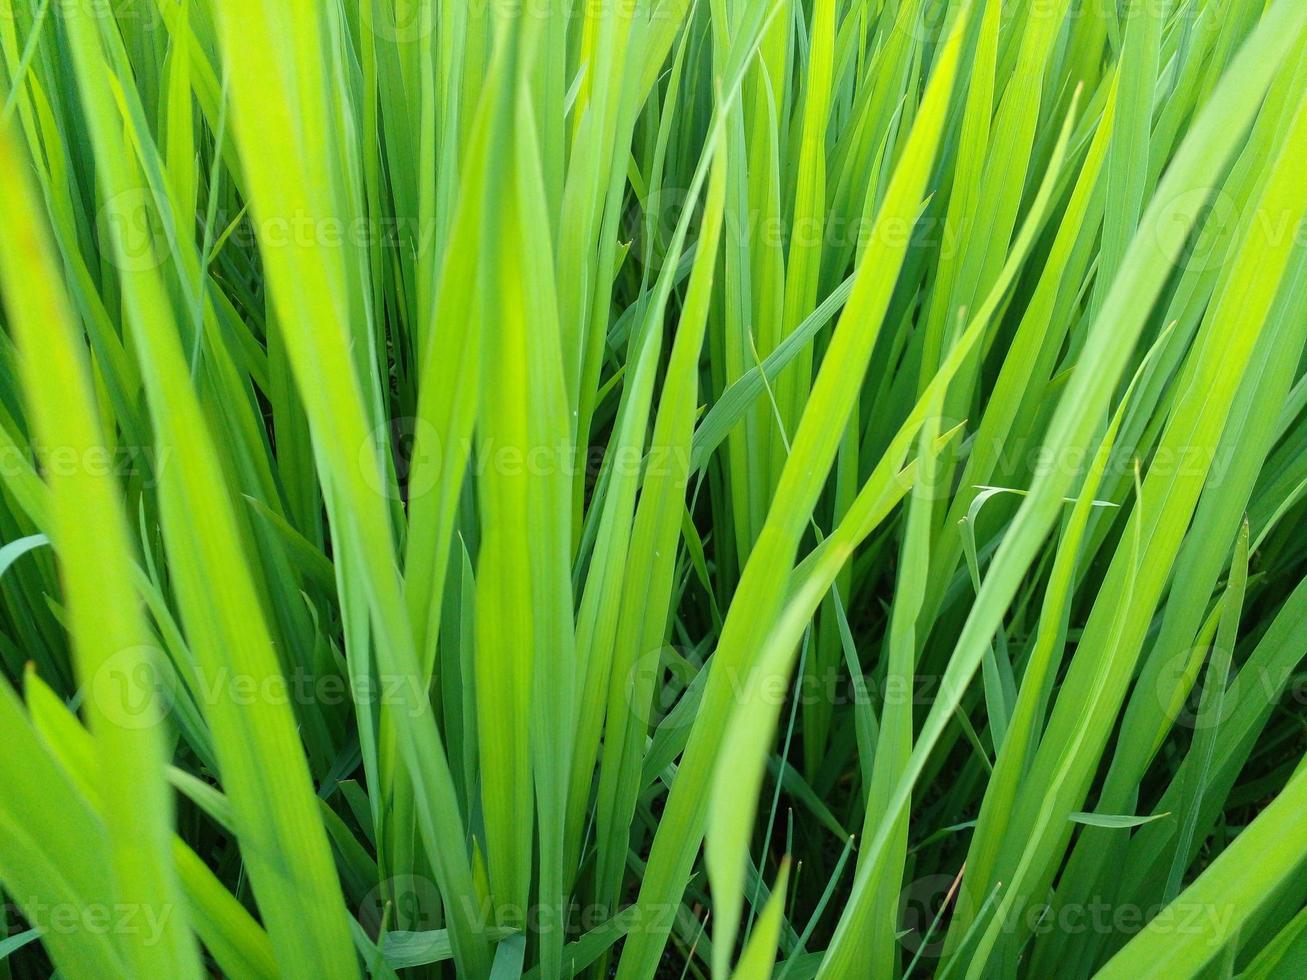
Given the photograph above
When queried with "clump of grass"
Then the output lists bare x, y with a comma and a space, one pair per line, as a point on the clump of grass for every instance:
809, 488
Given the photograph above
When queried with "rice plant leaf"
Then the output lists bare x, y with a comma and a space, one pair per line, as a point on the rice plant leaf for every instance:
90, 537
1223, 897
1115, 821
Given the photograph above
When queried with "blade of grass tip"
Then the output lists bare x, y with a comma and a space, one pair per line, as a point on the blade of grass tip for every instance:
998, 699
91, 540
1115, 821
761, 589
964, 944
1211, 139
759, 957
14, 550
929, 934
827, 893
12, 944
